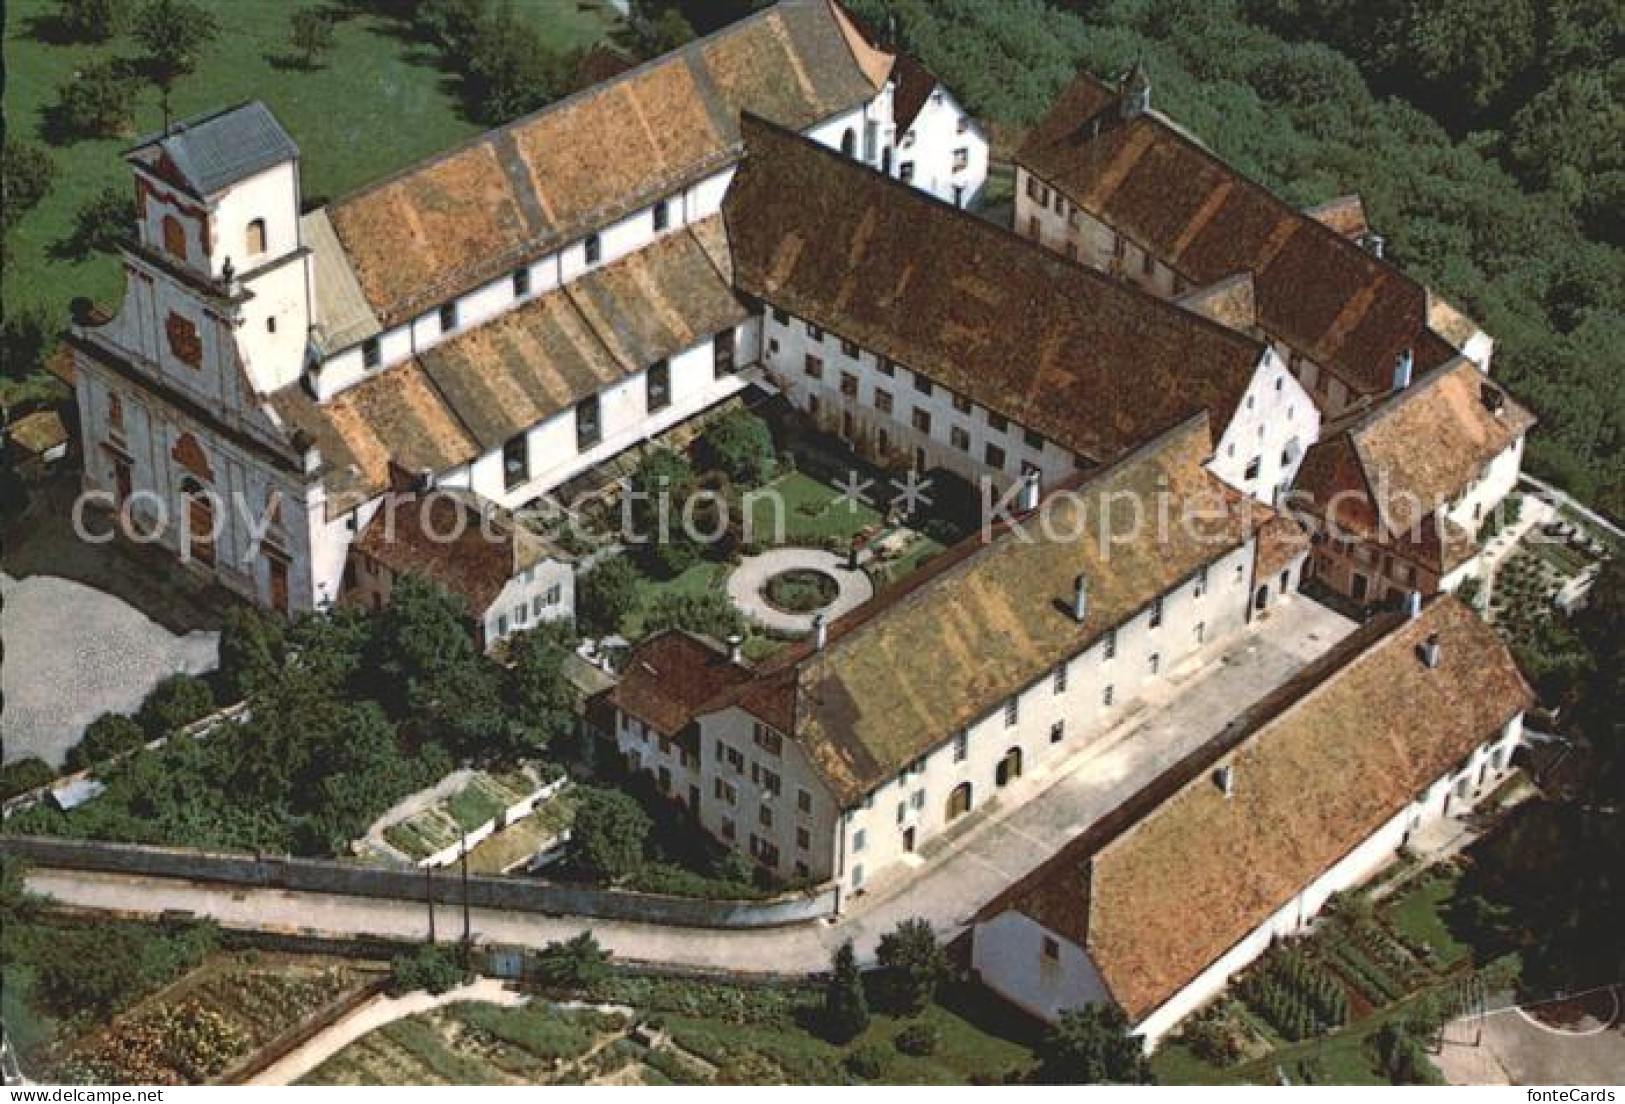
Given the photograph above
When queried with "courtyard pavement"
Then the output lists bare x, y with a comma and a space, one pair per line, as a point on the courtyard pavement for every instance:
1510, 1047
747, 580
1005, 839
89, 628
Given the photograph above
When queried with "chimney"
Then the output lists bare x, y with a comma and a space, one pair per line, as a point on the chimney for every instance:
1136, 91
820, 632
1403, 365
736, 648
1225, 779
1080, 598
1375, 244
1430, 651
1028, 501
425, 479
1413, 604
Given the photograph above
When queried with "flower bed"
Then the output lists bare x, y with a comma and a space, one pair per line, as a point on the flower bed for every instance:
801, 590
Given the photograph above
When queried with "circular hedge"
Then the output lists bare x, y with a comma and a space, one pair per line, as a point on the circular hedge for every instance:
801, 590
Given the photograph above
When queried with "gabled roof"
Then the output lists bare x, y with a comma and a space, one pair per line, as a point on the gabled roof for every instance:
211, 152
670, 677
1057, 347
912, 88
474, 391
1321, 293
986, 620
1425, 444
409, 534
1157, 895
465, 217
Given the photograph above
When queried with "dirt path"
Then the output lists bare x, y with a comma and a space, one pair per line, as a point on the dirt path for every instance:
370, 1017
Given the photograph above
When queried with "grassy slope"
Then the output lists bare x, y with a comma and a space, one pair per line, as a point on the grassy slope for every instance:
379, 103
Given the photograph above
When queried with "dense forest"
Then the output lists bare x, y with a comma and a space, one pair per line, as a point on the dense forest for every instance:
1486, 137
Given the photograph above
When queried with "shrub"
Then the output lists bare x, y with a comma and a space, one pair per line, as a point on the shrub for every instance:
741, 445
311, 32
27, 175
917, 1040
708, 614
24, 775
575, 964
846, 1009
868, 1062
433, 967
174, 703
913, 965
607, 594
107, 736
92, 20
606, 841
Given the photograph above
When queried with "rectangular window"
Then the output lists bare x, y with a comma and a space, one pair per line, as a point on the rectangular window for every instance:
814, 366
961, 159
728, 828
521, 282
1060, 678
781, 317
589, 431
905, 172
888, 366
593, 248
1057, 732
1108, 646
959, 439
515, 462
1147, 265
814, 333
767, 739
662, 216
770, 782
849, 385
961, 746
922, 420
883, 401
658, 385
803, 839
369, 353
115, 411
997, 422
1156, 612
850, 348
764, 816
1034, 441
724, 791
922, 384
1201, 583
1107, 695
1012, 712
995, 457
1155, 662
502, 625
448, 318
722, 354
1052, 949
803, 802
1201, 632
859, 839
962, 403
1253, 466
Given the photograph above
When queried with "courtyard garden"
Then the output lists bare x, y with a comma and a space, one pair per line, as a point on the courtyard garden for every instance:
481, 799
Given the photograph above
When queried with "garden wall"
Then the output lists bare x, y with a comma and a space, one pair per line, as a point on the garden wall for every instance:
484, 891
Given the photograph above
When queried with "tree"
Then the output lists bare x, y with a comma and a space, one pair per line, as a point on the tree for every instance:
913, 965
95, 102
511, 71
27, 175
708, 614
22, 775
174, 703
311, 31
543, 700
575, 964
741, 445
109, 735
92, 20
422, 647
659, 487
251, 650
101, 222
651, 34
846, 1009
607, 838
606, 594
175, 33
1092, 1046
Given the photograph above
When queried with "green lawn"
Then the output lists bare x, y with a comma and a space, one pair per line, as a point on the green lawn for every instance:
808, 514
379, 103
1417, 915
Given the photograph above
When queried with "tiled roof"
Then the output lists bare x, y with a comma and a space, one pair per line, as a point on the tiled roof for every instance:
985, 621
1053, 345
214, 151
436, 230
670, 677
1184, 885
408, 535
474, 391
913, 85
1345, 214
1321, 293
1280, 541
1428, 443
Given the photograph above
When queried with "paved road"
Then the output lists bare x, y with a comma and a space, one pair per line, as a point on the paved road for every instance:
1031, 818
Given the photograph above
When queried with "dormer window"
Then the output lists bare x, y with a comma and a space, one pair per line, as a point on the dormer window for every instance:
254, 238
174, 237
